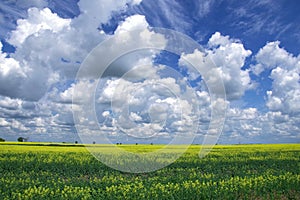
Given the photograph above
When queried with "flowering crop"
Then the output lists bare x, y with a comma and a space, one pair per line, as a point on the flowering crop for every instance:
40, 171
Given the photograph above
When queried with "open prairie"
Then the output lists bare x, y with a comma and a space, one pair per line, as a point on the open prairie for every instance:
62, 171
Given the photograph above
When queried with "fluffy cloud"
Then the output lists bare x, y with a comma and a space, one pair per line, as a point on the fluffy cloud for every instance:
37, 120
285, 69
11, 74
3, 122
285, 95
146, 108
95, 12
18, 79
280, 58
18, 125
134, 95
13, 10
37, 22
229, 56
83, 89
281, 122
46, 51
29, 65
250, 125
133, 40
9, 103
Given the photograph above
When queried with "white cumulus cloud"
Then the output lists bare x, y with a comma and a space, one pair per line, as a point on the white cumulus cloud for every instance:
285, 70
229, 57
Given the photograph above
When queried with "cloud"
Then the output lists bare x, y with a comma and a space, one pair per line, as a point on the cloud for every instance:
100, 11
166, 14
229, 57
3, 122
47, 56
285, 68
131, 23
133, 40
44, 120
280, 58
145, 108
257, 17
37, 21
204, 7
18, 125
135, 95
17, 78
10, 11
281, 122
251, 125
27, 67
46, 51
84, 89
9, 103
136, 2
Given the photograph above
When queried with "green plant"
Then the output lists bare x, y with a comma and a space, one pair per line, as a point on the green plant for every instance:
42, 171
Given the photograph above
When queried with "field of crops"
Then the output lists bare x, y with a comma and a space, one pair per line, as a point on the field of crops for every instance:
39, 171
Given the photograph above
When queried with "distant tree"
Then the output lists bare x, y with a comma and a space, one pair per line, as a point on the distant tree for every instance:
2, 140
136, 143
94, 142
20, 139
151, 143
117, 143
76, 142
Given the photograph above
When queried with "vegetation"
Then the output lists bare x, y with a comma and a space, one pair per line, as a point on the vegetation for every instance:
58, 171
2, 140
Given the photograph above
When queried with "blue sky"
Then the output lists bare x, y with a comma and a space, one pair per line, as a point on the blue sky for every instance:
254, 46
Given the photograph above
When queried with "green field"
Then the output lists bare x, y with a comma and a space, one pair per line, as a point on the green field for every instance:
43, 171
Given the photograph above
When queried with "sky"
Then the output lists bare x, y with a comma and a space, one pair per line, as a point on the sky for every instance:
232, 72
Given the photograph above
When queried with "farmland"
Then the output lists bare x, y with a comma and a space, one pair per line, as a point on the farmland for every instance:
43, 171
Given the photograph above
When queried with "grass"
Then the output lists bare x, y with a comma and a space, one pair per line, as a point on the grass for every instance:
68, 171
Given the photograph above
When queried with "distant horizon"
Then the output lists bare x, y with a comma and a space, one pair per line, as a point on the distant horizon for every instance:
124, 143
